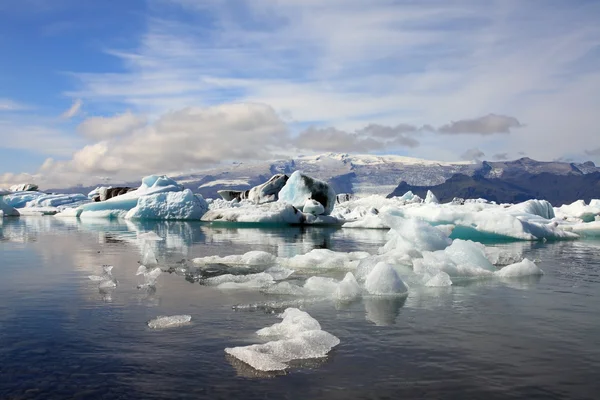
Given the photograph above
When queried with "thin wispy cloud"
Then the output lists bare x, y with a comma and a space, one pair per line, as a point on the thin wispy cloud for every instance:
73, 110
11, 105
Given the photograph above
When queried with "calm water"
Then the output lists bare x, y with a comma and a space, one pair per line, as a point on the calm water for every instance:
60, 337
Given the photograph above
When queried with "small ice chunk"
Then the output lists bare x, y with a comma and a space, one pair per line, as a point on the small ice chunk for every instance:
466, 252
441, 279
523, 268
164, 322
249, 281
294, 321
300, 336
150, 276
348, 288
279, 273
430, 198
384, 280
249, 258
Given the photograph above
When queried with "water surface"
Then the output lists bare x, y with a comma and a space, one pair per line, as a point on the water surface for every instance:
61, 337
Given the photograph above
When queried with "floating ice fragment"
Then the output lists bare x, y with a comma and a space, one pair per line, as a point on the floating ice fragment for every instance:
301, 338
441, 279
150, 276
384, 280
164, 322
348, 289
250, 258
523, 268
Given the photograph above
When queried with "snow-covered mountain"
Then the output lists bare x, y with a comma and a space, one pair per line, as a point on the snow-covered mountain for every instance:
364, 174
359, 174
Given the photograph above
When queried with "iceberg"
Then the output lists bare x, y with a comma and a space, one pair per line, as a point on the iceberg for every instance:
6, 210
158, 197
264, 193
430, 198
298, 337
299, 188
169, 205
24, 187
579, 210
56, 200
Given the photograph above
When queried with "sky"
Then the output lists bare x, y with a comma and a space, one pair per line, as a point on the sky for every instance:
107, 91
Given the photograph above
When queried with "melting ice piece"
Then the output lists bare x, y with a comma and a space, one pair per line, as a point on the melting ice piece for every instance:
249, 281
164, 322
523, 268
300, 336
441, 279
384, 280
249, 258
150, 276
106, 279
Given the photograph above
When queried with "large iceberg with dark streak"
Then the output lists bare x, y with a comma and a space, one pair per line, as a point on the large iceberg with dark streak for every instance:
117, 207
299, 188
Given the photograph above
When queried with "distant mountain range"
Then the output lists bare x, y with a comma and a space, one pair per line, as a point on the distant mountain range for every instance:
516, 181
510, 181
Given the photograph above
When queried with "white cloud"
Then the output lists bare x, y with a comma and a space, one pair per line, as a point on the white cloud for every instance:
487, 125
100, 128
73, 110
11, 105
190, 138
473, 154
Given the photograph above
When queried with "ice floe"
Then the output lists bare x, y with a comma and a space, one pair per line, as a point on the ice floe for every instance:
297, 337
164, 322
520, 269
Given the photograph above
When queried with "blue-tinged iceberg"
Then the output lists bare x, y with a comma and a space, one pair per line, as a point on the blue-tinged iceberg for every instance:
158, 197
169, 205
5, 209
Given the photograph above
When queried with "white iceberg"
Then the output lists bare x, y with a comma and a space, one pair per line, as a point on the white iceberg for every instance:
299, 336
171, 205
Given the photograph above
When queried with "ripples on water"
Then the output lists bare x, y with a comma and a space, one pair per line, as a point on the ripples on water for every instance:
63, 337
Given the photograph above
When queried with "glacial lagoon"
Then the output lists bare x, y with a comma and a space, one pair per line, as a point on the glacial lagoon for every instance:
63, 336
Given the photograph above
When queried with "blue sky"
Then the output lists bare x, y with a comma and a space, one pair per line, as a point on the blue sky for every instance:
90, 90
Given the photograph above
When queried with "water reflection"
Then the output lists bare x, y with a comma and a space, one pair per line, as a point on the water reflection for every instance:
383, 311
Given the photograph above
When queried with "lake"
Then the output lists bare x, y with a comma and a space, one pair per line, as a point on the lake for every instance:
63, 337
